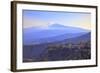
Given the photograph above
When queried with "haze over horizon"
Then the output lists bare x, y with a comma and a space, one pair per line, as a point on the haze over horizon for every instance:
47, 18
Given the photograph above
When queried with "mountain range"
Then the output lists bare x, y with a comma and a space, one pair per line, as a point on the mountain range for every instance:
53, 33
36, 42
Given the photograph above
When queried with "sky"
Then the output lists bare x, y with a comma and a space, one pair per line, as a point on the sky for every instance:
32, 18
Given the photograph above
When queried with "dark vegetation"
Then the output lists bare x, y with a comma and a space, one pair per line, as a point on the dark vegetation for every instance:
57, 52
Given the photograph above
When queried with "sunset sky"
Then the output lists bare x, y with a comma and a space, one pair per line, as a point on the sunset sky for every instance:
33, 18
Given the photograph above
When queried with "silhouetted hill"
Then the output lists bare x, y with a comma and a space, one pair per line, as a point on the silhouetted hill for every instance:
53, 33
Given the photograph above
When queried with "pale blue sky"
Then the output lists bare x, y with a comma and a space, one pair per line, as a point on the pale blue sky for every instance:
33, 18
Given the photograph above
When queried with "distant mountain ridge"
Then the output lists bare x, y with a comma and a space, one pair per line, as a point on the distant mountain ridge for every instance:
57, 26
54, 32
